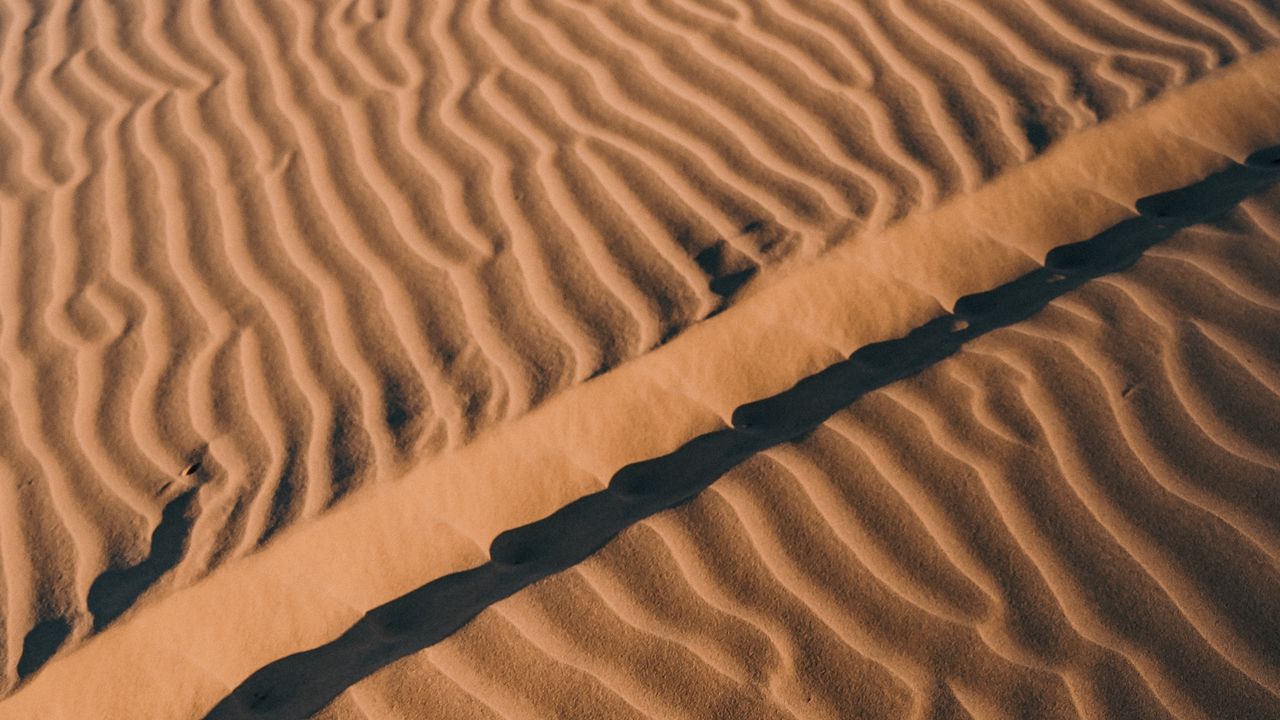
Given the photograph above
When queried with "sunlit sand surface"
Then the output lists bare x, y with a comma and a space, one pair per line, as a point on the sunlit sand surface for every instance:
303, 304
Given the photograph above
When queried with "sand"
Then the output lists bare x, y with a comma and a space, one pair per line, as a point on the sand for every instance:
303, 304
1075, 516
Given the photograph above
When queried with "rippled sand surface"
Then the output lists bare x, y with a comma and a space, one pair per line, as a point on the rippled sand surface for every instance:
302, 304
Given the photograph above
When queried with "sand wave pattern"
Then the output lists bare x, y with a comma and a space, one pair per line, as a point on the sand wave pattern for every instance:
1068, 518
254, 255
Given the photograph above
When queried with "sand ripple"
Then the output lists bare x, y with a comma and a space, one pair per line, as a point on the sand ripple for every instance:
1075, 516
255, 255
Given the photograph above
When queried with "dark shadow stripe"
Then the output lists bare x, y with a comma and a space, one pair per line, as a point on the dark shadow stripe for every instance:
115, 591
299, 685
41, 643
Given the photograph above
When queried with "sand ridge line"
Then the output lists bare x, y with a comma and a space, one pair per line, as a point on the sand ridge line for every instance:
1009, 507
318, 243
286, 454
300, 685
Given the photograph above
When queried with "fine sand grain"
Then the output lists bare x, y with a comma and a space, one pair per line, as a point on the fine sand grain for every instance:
1076, 516
303, 303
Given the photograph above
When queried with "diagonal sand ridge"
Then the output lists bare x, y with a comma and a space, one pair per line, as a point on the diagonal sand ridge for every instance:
301, 684
1075, 516
321, 575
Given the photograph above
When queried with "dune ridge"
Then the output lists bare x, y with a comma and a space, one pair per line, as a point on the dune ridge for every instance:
1074, 516
300, 684
444, 512
314, 242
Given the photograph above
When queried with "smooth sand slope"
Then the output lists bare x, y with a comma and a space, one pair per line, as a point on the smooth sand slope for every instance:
256, 255
1076, 516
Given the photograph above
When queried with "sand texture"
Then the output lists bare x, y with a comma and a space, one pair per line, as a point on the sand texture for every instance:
1076, 516
307, 305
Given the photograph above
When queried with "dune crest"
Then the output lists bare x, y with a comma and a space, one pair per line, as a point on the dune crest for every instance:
285, 312
300, 684
1075, 516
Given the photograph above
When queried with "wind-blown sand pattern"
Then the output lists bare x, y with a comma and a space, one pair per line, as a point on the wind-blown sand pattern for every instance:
1076, 516
255, 256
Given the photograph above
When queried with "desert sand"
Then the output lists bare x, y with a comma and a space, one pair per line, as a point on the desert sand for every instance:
667, 358
1073, 517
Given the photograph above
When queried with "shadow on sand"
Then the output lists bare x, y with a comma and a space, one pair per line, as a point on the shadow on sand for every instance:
299, 685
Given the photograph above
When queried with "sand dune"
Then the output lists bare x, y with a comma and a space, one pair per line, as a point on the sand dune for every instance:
1075, 516
257, 256
172, 658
